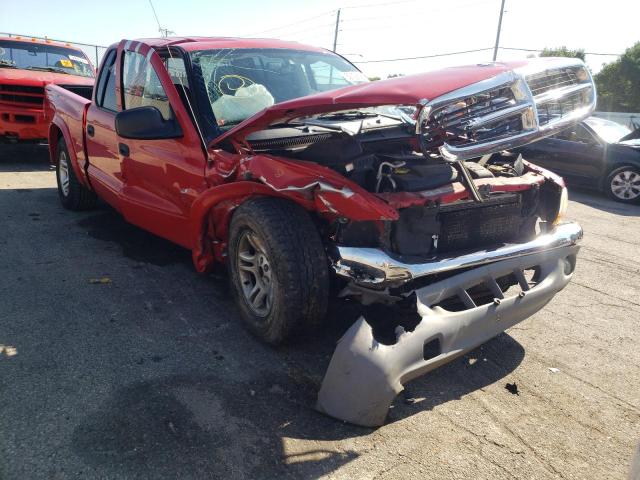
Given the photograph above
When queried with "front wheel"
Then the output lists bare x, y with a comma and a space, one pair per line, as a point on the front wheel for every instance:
623, 184
278, 268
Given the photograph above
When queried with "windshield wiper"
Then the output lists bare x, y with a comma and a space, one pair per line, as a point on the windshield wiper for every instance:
348, 115
49, 69
356, 114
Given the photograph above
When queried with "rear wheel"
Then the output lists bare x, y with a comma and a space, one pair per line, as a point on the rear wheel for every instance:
623, 184
73, 195
278, 268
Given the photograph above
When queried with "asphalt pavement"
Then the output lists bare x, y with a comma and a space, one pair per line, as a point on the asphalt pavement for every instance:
119, 361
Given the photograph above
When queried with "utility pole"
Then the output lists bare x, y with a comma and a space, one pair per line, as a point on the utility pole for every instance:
495, 49
335, 35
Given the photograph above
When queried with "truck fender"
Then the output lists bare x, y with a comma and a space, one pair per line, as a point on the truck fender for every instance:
58, 128
227, 197
333, 194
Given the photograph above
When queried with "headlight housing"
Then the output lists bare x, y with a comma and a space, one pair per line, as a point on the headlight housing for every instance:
564, 205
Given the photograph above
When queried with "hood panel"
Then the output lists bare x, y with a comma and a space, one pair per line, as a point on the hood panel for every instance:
36, 78
408, 90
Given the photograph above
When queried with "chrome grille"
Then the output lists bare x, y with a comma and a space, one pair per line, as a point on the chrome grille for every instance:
542, 82
507, 111
557, 108
454, 123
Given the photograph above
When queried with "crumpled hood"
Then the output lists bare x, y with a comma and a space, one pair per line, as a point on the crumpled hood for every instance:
35, 78
408, 90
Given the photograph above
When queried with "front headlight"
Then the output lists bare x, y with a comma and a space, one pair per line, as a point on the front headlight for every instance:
564, 205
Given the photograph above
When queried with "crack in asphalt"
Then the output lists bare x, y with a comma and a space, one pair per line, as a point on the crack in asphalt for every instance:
575, 282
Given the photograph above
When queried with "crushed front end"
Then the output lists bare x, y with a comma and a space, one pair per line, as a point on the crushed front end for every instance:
420, 203
476, 254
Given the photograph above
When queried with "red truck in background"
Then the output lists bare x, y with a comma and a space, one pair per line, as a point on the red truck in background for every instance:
26, 67
284, 163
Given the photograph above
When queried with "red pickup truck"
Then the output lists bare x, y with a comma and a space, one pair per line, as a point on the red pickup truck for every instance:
282, 162
26, 66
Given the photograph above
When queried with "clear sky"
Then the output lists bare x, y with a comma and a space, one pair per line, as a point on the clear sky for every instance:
369, 29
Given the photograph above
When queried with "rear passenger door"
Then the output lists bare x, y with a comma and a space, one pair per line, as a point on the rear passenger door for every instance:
163, 177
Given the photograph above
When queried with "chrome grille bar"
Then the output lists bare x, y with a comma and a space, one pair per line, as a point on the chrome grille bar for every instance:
508, 110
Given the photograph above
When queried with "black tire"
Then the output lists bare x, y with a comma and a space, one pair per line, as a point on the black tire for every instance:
298, 268
73, 195
618, 190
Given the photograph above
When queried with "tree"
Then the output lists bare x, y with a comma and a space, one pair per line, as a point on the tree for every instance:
563, 52
374, 79
618, 83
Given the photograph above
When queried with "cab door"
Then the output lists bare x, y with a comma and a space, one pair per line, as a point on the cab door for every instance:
104, 168
161, 178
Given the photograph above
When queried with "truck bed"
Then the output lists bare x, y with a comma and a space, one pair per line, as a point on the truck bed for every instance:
68, 110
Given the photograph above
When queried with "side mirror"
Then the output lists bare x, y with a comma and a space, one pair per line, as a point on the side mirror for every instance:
146, 123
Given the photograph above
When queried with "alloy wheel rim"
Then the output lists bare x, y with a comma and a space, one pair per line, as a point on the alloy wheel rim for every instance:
63, 174
625, 185
255, 272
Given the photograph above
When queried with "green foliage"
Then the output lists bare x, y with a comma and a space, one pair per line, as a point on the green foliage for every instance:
374, 79
618, 83
563, 52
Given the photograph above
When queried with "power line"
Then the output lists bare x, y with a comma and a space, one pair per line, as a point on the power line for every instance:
426, 56
541, 49
306, 30
406, 15
369, 5
296, 23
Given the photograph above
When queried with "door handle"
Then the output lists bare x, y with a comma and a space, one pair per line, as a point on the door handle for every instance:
90, 130
123, 148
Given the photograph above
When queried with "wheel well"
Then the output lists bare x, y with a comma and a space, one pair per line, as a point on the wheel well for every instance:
55, 134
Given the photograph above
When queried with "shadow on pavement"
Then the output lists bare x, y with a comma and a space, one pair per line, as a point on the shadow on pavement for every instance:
24, 158
193, 425
199, 424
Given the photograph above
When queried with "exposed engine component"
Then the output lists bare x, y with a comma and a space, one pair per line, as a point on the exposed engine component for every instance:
388, 162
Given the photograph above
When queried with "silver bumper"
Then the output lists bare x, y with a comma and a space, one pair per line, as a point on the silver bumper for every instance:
364, 376
372, 266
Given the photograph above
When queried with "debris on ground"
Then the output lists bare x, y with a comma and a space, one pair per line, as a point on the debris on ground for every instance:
554, 369
512, 388
99, 281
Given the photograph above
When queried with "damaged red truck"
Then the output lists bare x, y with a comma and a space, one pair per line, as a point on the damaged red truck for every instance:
284, 163
26, 67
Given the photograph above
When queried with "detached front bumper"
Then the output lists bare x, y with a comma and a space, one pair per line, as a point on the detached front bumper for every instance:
364, 376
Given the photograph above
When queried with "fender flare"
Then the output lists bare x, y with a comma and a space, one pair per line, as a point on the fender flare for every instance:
204, 257
58, 128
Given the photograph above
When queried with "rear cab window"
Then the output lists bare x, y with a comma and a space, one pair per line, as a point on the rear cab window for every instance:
106, 85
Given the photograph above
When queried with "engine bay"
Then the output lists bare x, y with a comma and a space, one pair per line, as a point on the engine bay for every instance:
382, 159
383, 156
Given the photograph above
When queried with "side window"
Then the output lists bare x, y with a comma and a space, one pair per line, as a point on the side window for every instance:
141, 85
106, 85
584, 136
576, 134
327, 77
